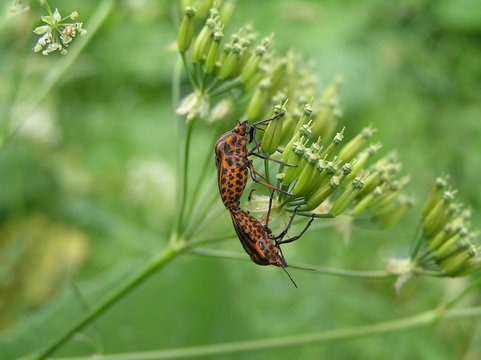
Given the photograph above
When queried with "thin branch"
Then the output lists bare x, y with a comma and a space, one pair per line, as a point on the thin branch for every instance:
373, 274
157, 262
421, 320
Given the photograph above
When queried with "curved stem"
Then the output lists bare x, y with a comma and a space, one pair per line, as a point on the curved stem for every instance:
183, 179
420, 320
157, 262
372, 274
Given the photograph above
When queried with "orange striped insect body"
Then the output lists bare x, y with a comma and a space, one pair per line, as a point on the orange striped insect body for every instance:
233, 165
257, 240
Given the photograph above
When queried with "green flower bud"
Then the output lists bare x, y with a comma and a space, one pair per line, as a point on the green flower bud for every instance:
362, 158
353, 147
186, 31
312, 157
450, 245
272, 135
448, 231
455, 264
393, 212
367, 202
305, 118
256, 79
304, 131
231, 61
322, 173
213, 51
278, 73
435, 194
438, 214
322, 193
226, 11
252, 64
297, 154
202, 42
258, 102
371, 182
335, 141
394, 189
204, 7
471, 266
346, 198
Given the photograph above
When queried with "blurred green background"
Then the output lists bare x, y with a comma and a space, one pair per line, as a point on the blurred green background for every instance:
87, 184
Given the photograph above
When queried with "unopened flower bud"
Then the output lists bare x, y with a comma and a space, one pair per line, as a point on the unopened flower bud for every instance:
335, 141
212, 55
257, 104
304, 178
455, 264
297, 153
272, 135
346, 198
437, 215
353, 147
231, 61
226, 11
435, 195
203, 40
367, 201
322, 193
362, 158
449, 246
186, 31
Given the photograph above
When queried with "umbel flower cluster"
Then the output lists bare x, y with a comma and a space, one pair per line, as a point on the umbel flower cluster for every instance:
317, 171
58, 32
446, 244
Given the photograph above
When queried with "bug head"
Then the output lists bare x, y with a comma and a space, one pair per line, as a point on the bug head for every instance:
242, 128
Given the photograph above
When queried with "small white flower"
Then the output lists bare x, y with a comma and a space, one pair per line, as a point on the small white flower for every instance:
56, 16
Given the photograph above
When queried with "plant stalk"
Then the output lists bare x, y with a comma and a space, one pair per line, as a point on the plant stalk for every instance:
421, 320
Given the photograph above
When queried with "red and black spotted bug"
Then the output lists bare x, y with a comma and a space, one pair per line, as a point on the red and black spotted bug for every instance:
231, 159
258, 241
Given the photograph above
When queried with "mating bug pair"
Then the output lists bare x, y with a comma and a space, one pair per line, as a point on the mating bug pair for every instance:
233, 165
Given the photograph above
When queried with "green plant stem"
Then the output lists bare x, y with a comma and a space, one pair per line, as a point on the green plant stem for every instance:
184, 176
188, 71
208, 219
309, 214
22, 111
373, 274
203, 173
424, 319
156, 263
266, 170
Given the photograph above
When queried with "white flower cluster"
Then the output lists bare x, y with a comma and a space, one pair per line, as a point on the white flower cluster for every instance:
58, 33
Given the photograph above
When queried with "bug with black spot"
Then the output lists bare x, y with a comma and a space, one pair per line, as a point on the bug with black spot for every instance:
257, 240
233, 164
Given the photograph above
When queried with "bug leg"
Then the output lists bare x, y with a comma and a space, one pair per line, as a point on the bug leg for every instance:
254, 178
250, 194
269, 209
298, 236
268, 158
284, 232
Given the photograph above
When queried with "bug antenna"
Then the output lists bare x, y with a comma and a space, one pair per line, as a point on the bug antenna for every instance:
290, 277
301, 268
